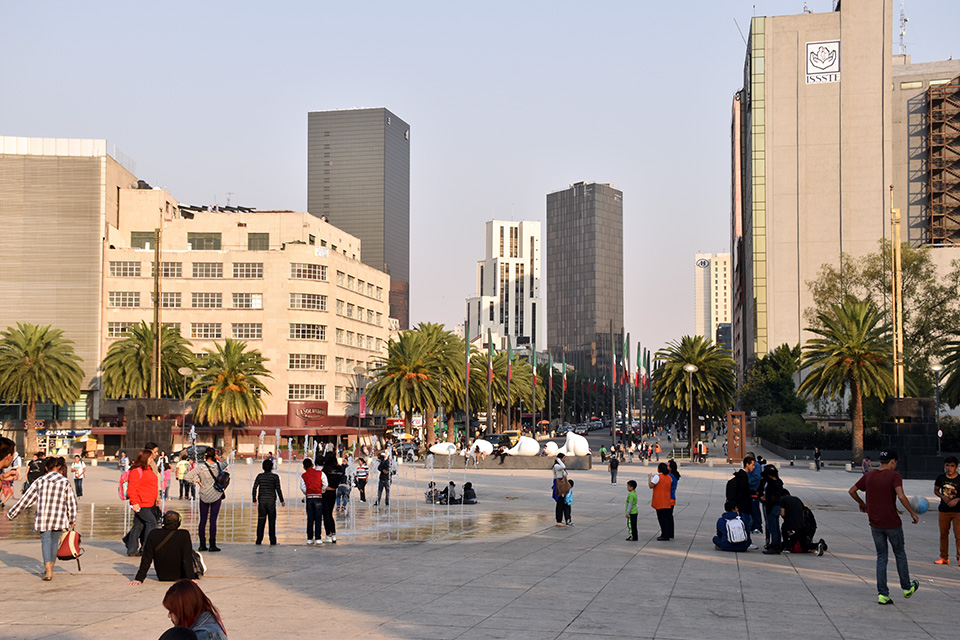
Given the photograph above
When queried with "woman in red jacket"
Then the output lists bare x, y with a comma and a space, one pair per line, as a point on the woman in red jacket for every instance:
142, 494
660, 483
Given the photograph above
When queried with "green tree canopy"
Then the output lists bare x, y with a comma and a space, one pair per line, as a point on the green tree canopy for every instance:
128, 365
769, 388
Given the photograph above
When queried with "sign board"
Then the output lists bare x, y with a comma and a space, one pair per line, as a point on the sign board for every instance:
703, 263
307, 413
321, 252
823, 62
363, 406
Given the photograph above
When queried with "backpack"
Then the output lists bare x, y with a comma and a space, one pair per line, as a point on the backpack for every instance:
122, 486
222, 480
809, 522
731, 492
736, 530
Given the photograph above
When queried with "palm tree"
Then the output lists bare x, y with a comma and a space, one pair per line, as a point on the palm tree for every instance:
404, 380
447, 352
951, 372
853, 348
229, 377
714, 381
37, 364
128, 365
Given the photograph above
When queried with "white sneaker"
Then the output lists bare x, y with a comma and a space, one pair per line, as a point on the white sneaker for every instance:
333, 539
753, 547
328, 540
319, 541
309, 541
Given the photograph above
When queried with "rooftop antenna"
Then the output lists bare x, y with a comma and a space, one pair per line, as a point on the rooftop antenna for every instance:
903, 29
229, 194
806, 9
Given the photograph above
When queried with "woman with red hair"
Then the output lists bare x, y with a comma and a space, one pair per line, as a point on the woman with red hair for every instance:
189, 606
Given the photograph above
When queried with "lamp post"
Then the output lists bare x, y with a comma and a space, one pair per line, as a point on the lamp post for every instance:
360, 372
691, 369
937, 368
184, 371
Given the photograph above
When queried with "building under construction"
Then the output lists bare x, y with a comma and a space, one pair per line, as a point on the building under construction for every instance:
944, 117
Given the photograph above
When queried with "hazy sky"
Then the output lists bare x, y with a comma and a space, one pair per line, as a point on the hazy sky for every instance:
507, 101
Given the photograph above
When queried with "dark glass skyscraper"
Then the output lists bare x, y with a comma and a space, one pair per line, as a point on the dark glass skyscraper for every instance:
584, 270
358, 176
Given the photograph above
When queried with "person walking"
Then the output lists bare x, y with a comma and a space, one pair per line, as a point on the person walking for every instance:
205, 474
816, 457
10, 464
385, 470
334, 472
884, 487
362, 479
947, 488
312, 483
56, 509
266, 492
182, 466
142, 496
660, 500
613, 466
188, 606
78, 469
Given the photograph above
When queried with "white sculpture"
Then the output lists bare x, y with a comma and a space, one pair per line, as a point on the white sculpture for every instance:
483, 446
575, 445
525, 447
551, 448
444, 449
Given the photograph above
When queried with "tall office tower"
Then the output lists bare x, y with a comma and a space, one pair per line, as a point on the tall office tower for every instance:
358, 178
508, 285
584, 270
712, 293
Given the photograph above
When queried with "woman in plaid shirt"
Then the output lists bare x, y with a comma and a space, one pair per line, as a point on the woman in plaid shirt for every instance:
56, 509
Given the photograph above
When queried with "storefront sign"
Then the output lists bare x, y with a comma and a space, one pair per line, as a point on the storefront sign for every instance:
307, 413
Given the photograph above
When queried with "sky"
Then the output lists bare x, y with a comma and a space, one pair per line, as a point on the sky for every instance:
506, 101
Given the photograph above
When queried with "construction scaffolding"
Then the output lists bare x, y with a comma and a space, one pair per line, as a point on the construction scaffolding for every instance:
944, 119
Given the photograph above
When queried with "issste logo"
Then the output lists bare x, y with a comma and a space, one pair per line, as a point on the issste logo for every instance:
823, 62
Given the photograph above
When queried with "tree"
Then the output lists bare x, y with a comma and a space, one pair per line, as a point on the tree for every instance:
128, 365
951, 375
769, 388
853, 350
447, 353
404, 380
714, 382
230, 379
37, 364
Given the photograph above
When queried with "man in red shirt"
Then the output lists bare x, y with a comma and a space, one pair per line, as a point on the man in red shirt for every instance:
883, 487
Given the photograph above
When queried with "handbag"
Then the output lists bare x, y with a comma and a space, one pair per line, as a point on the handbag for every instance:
70, 548
563, 487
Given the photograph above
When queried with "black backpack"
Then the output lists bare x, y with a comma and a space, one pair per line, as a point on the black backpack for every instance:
809, 522
732, 488
222, 480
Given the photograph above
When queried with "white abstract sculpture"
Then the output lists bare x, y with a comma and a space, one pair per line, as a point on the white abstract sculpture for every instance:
551, 448
575, 445
444, 449
483, 446
525, 447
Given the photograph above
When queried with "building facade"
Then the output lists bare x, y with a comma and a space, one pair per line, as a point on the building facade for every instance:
712, 293
584, 270
508, 285
358, 178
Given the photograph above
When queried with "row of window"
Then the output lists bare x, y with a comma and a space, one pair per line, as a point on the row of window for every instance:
241, 270
201, 241
351, 339
206, 300
363, 315
318, 392
355, 284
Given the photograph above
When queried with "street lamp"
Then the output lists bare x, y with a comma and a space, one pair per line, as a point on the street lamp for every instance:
184, 371
360, 372
937, 368
691, 369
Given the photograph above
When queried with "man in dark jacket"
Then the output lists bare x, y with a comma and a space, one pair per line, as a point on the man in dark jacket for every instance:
798, 528
722, 539
266, 491
738, 490
170, 550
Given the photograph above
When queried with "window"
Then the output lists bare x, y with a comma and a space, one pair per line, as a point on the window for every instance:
258, 241
124, 269
203, 241
340, 307
312, 361
305, 392
248, 301
380, 319
339, 365
514, 242
360, 286
205, 330
340, 276
338, 394
501, 242
370, 290
170, 270
370, 316
142, 239
206, 300
350, 335
311, 239
170, 299
124, 298
379, 293
351, 283
340, 336
247, 330
301, 271
491, 316
207, 269
369, 342
247, 269
173, 325
350, 309
308, 331
117, 329
309, 301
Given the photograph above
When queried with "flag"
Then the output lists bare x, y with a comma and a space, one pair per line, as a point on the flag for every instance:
564, 370
551, 372
489, 358
533, 364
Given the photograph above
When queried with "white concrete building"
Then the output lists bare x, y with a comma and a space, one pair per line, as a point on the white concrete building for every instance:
712, 287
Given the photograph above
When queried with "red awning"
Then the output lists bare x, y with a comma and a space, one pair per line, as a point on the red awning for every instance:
108, 431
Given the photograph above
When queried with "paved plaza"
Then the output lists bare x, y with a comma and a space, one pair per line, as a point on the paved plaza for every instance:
498, 569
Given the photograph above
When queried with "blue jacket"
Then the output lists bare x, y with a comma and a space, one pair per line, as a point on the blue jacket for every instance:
721, 539
754, 477
569, 497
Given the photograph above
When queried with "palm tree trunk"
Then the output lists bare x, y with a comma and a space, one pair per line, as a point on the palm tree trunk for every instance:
857, 422
452, 428
406, 422
31, 424
227, 439
428, 419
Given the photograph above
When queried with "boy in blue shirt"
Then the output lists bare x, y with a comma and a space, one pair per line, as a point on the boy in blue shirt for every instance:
568, 505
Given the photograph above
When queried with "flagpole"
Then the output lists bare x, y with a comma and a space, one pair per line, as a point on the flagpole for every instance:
466, 387
533, 404
490, 428
550, 394
509, 376
613, 396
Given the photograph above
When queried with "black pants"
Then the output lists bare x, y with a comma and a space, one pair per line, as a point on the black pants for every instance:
362, 488
267, 511
563, 511
665, 518
633, 527
329, 502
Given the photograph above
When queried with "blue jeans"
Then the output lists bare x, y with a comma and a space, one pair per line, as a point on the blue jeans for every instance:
748, 522
144, 521
343, 495
773, 528
314, 518
756, 514
880, 539
50, 541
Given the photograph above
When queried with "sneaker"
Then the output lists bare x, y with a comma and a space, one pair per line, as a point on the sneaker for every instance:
882, 599
327, 540
942, 561
757, 531
560, 524
333, 539
319, 542
912, 590
770, 551
821, 547
569, 524
309, 540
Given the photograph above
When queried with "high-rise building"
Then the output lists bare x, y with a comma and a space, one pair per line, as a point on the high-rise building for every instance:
508, 285
584, 270
712, 293
358, 178
827, 119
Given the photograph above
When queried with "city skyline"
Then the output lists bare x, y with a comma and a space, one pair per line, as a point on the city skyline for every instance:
219, 113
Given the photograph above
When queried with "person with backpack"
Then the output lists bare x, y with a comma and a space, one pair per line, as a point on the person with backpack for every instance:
661, 482
732, 532
738, 491
170, 550
770, 490
614, 465
213, 480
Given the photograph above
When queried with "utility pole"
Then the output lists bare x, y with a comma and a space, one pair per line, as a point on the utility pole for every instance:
613, 395
157, 329
898, 389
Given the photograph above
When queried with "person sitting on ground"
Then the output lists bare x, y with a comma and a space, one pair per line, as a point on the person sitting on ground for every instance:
799, 526
431, 495
170, 550
731, 530
188, 606
469, 495
449, 495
